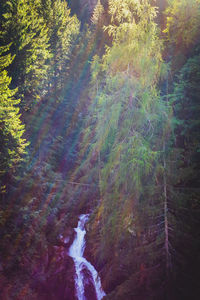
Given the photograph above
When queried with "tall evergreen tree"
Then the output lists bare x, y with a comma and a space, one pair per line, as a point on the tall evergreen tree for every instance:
182, 30
183, 180
26, 29
11, 129
63, 30
127, 131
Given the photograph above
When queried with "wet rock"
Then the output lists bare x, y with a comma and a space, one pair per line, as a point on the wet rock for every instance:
67, 237
57, 282
89, 285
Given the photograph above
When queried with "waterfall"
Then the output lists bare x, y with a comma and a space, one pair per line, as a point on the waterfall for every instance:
76, 252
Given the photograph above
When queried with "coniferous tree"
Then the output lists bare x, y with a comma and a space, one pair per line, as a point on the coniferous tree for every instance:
11, 129
63, 30
182, 30
138, 150
183, 180
128, 127
98, 14
26, 29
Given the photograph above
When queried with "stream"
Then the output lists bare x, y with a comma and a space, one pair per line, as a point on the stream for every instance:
87, 282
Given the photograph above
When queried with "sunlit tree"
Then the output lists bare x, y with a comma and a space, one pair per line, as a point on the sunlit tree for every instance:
11, 129
26, 29
127, 133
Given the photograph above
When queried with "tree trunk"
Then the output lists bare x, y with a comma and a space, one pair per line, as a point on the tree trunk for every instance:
167, 253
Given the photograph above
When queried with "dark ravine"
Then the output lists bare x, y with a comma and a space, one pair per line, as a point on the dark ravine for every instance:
110, 109
55, 278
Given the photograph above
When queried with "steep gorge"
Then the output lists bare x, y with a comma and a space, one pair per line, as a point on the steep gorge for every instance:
111, 108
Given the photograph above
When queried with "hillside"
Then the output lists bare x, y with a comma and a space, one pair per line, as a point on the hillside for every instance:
99, 148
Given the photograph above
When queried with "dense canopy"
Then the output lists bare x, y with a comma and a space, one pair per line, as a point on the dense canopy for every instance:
99, 115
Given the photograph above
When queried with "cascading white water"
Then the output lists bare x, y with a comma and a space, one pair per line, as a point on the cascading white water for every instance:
76, 252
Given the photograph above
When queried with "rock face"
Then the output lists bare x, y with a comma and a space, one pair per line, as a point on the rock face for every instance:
57, 280
89, 287
58, 283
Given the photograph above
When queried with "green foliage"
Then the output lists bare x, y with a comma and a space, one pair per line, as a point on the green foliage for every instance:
11, 129
112, 128
183, 23
35, 192
63, 31
26, 29
129, 123
184, 175
98, 14
185, 101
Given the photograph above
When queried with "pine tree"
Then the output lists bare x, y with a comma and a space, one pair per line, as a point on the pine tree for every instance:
183, 23
98, 14
183, 179
182, 30
63, 30
26, 29
11, 129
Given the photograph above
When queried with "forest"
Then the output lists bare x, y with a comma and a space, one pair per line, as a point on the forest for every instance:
100, 117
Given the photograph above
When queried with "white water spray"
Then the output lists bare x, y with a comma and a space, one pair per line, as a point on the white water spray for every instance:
76, 252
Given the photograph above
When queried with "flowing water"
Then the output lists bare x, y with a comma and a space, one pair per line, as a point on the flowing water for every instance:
84, 270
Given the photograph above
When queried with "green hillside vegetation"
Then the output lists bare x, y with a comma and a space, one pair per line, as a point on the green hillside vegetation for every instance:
100, 113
